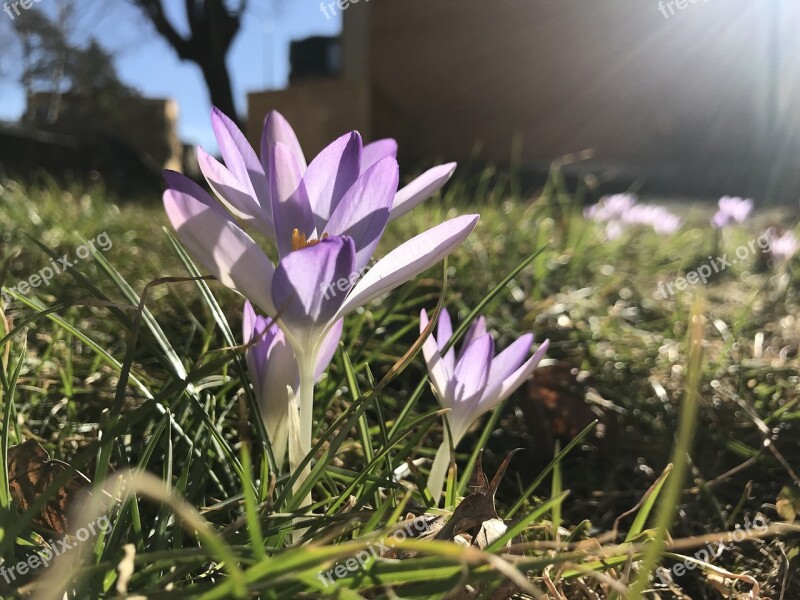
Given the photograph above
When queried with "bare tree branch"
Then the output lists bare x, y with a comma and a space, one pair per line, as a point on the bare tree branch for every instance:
212, 28
155, 12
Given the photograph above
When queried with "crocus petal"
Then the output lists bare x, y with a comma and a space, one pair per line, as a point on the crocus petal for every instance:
466, 387
508, 361
299, 286
277, 130
363, 212
422, 188
409, 260
512, 382
377, 150
254, 328
218, 243
290, 207
328, 348
231, 192
249, 320
239, 156
436, 367
444, 331
331, 174
280, 378
476, 330
471, 374
181, 183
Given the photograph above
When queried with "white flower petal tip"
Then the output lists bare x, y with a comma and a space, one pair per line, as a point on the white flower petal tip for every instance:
422, 188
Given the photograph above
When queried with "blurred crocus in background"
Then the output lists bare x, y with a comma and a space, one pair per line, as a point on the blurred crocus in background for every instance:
783, 247
326, 220
472, 382
731, 210
621, 211
659, 218
610, 208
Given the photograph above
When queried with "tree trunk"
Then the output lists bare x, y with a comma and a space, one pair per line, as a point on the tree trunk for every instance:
218, 82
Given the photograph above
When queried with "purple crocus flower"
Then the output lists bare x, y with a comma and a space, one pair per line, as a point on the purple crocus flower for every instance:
244, 184
472, 382
659, 218
614, 229
275, 374
784, 246
731, 210
620, 211
610, 207
666, 223
326, 222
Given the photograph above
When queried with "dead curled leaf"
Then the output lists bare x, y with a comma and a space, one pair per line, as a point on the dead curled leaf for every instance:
31, 472
476, 514
478, 507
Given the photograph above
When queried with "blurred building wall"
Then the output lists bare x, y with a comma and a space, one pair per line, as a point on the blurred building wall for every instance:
706, 92
65, 136
704, 98
147, 126
325, 98
319, 111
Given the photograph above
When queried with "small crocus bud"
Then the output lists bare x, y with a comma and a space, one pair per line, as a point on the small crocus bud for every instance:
273, 371
275, 374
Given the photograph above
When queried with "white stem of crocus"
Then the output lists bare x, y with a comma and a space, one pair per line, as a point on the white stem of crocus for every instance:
439, 471
455, 430
299, 450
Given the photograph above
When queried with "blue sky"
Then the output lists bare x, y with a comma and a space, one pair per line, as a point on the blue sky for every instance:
259, 58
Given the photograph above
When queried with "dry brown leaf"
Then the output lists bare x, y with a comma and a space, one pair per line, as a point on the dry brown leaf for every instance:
31, 472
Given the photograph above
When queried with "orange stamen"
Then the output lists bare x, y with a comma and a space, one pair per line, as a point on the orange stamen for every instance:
299, 240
